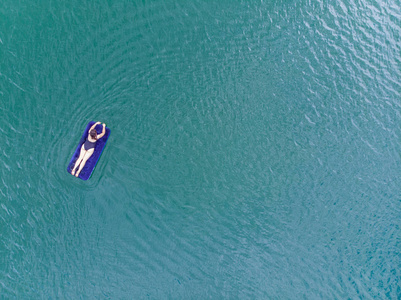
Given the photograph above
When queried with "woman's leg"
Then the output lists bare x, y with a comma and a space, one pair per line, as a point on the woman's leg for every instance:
80, 158
86, 157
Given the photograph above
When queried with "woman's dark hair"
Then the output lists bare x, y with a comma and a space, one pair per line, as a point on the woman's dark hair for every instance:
93, 133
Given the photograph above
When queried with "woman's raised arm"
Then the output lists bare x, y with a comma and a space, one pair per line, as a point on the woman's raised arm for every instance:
93, 126
103, 132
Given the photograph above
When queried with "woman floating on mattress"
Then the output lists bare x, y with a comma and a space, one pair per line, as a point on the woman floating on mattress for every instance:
87, 148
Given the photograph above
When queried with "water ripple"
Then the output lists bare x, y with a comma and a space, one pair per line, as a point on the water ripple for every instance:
253, 151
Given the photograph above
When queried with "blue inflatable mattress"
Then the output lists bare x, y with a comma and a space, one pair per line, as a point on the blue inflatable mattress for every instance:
92, 161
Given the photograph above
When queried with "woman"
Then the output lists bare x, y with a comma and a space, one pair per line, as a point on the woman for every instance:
88, 148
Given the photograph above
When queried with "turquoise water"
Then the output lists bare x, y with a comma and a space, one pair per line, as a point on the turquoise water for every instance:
254, 149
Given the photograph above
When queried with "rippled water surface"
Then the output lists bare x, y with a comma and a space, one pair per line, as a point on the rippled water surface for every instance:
254, 149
